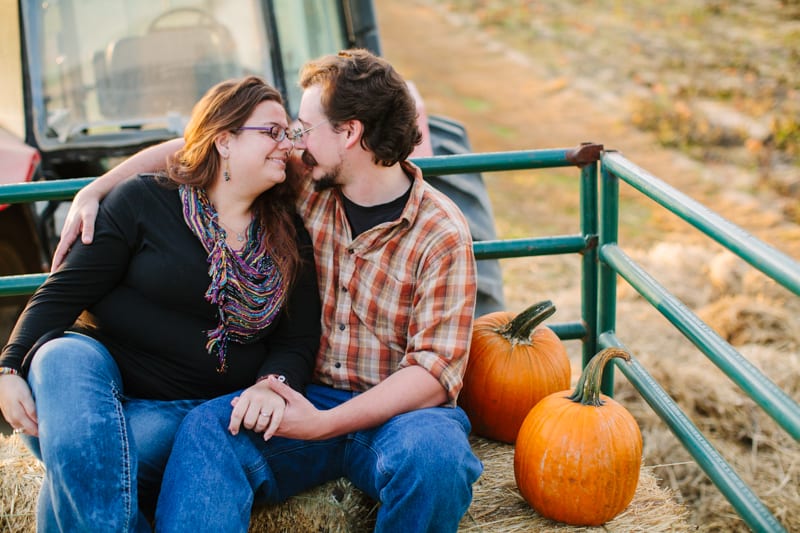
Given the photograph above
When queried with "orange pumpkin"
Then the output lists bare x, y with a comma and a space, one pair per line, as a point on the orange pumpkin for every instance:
513, 363
578, 455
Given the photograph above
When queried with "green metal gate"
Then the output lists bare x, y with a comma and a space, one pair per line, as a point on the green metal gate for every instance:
602, 261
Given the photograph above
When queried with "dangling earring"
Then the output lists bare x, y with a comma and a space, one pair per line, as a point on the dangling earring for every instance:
226, 173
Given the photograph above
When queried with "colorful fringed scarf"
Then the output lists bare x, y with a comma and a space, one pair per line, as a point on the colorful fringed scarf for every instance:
248, 289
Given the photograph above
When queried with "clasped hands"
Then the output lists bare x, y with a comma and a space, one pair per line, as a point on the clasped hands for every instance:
274, 408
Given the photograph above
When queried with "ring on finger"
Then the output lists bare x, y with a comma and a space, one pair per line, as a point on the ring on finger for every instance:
17, 431
264, 414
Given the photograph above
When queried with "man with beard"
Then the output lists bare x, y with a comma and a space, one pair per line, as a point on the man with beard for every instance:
397, 283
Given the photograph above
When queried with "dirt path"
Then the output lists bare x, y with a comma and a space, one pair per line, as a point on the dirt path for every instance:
503, 99
509, 101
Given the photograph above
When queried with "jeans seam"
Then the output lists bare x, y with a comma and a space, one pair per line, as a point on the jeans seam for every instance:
127, 477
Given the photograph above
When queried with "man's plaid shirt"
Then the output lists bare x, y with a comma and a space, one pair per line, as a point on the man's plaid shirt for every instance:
399, 294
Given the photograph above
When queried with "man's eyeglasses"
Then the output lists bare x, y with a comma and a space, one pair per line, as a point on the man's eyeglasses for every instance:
297, 133
276, 133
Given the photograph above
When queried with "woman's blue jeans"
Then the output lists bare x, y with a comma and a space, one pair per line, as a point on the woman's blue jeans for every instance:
104, 454
418, 465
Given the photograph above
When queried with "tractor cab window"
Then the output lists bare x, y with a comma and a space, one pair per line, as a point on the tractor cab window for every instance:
306, 29
117, 71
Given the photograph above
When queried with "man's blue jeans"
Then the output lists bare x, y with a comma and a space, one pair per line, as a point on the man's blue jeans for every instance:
104, 454
419, 465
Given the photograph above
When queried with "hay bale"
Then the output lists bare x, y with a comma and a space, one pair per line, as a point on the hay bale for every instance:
335, 507
741, 319
667, 262
339, 507
497, 505
20, 479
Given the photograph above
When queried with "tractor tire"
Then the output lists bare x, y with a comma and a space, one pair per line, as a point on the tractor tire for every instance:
468, 191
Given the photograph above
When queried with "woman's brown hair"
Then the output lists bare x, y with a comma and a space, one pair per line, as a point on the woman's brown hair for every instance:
225, 108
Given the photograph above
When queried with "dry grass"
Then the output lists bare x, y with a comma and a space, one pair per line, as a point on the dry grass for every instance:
339, 508
499, 507
762, 321
20, 479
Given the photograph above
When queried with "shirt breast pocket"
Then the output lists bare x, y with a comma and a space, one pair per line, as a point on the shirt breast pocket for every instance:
382, 303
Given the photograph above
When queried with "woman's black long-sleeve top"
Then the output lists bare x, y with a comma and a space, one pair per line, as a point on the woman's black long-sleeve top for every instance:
139, 288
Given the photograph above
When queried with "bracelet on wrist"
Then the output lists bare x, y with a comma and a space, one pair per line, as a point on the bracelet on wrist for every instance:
8, 371
279, 377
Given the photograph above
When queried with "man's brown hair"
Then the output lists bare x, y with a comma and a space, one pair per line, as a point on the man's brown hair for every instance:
357, 85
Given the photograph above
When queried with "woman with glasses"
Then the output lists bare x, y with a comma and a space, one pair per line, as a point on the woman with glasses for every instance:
200, 282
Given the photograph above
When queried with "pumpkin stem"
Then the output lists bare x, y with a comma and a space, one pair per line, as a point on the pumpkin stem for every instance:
519, 330
587, 391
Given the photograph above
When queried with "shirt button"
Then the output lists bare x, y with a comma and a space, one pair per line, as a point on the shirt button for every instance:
344, 289
350, 251
338, 365
341, 327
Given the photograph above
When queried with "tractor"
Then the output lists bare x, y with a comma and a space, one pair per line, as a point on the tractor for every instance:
89, 82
